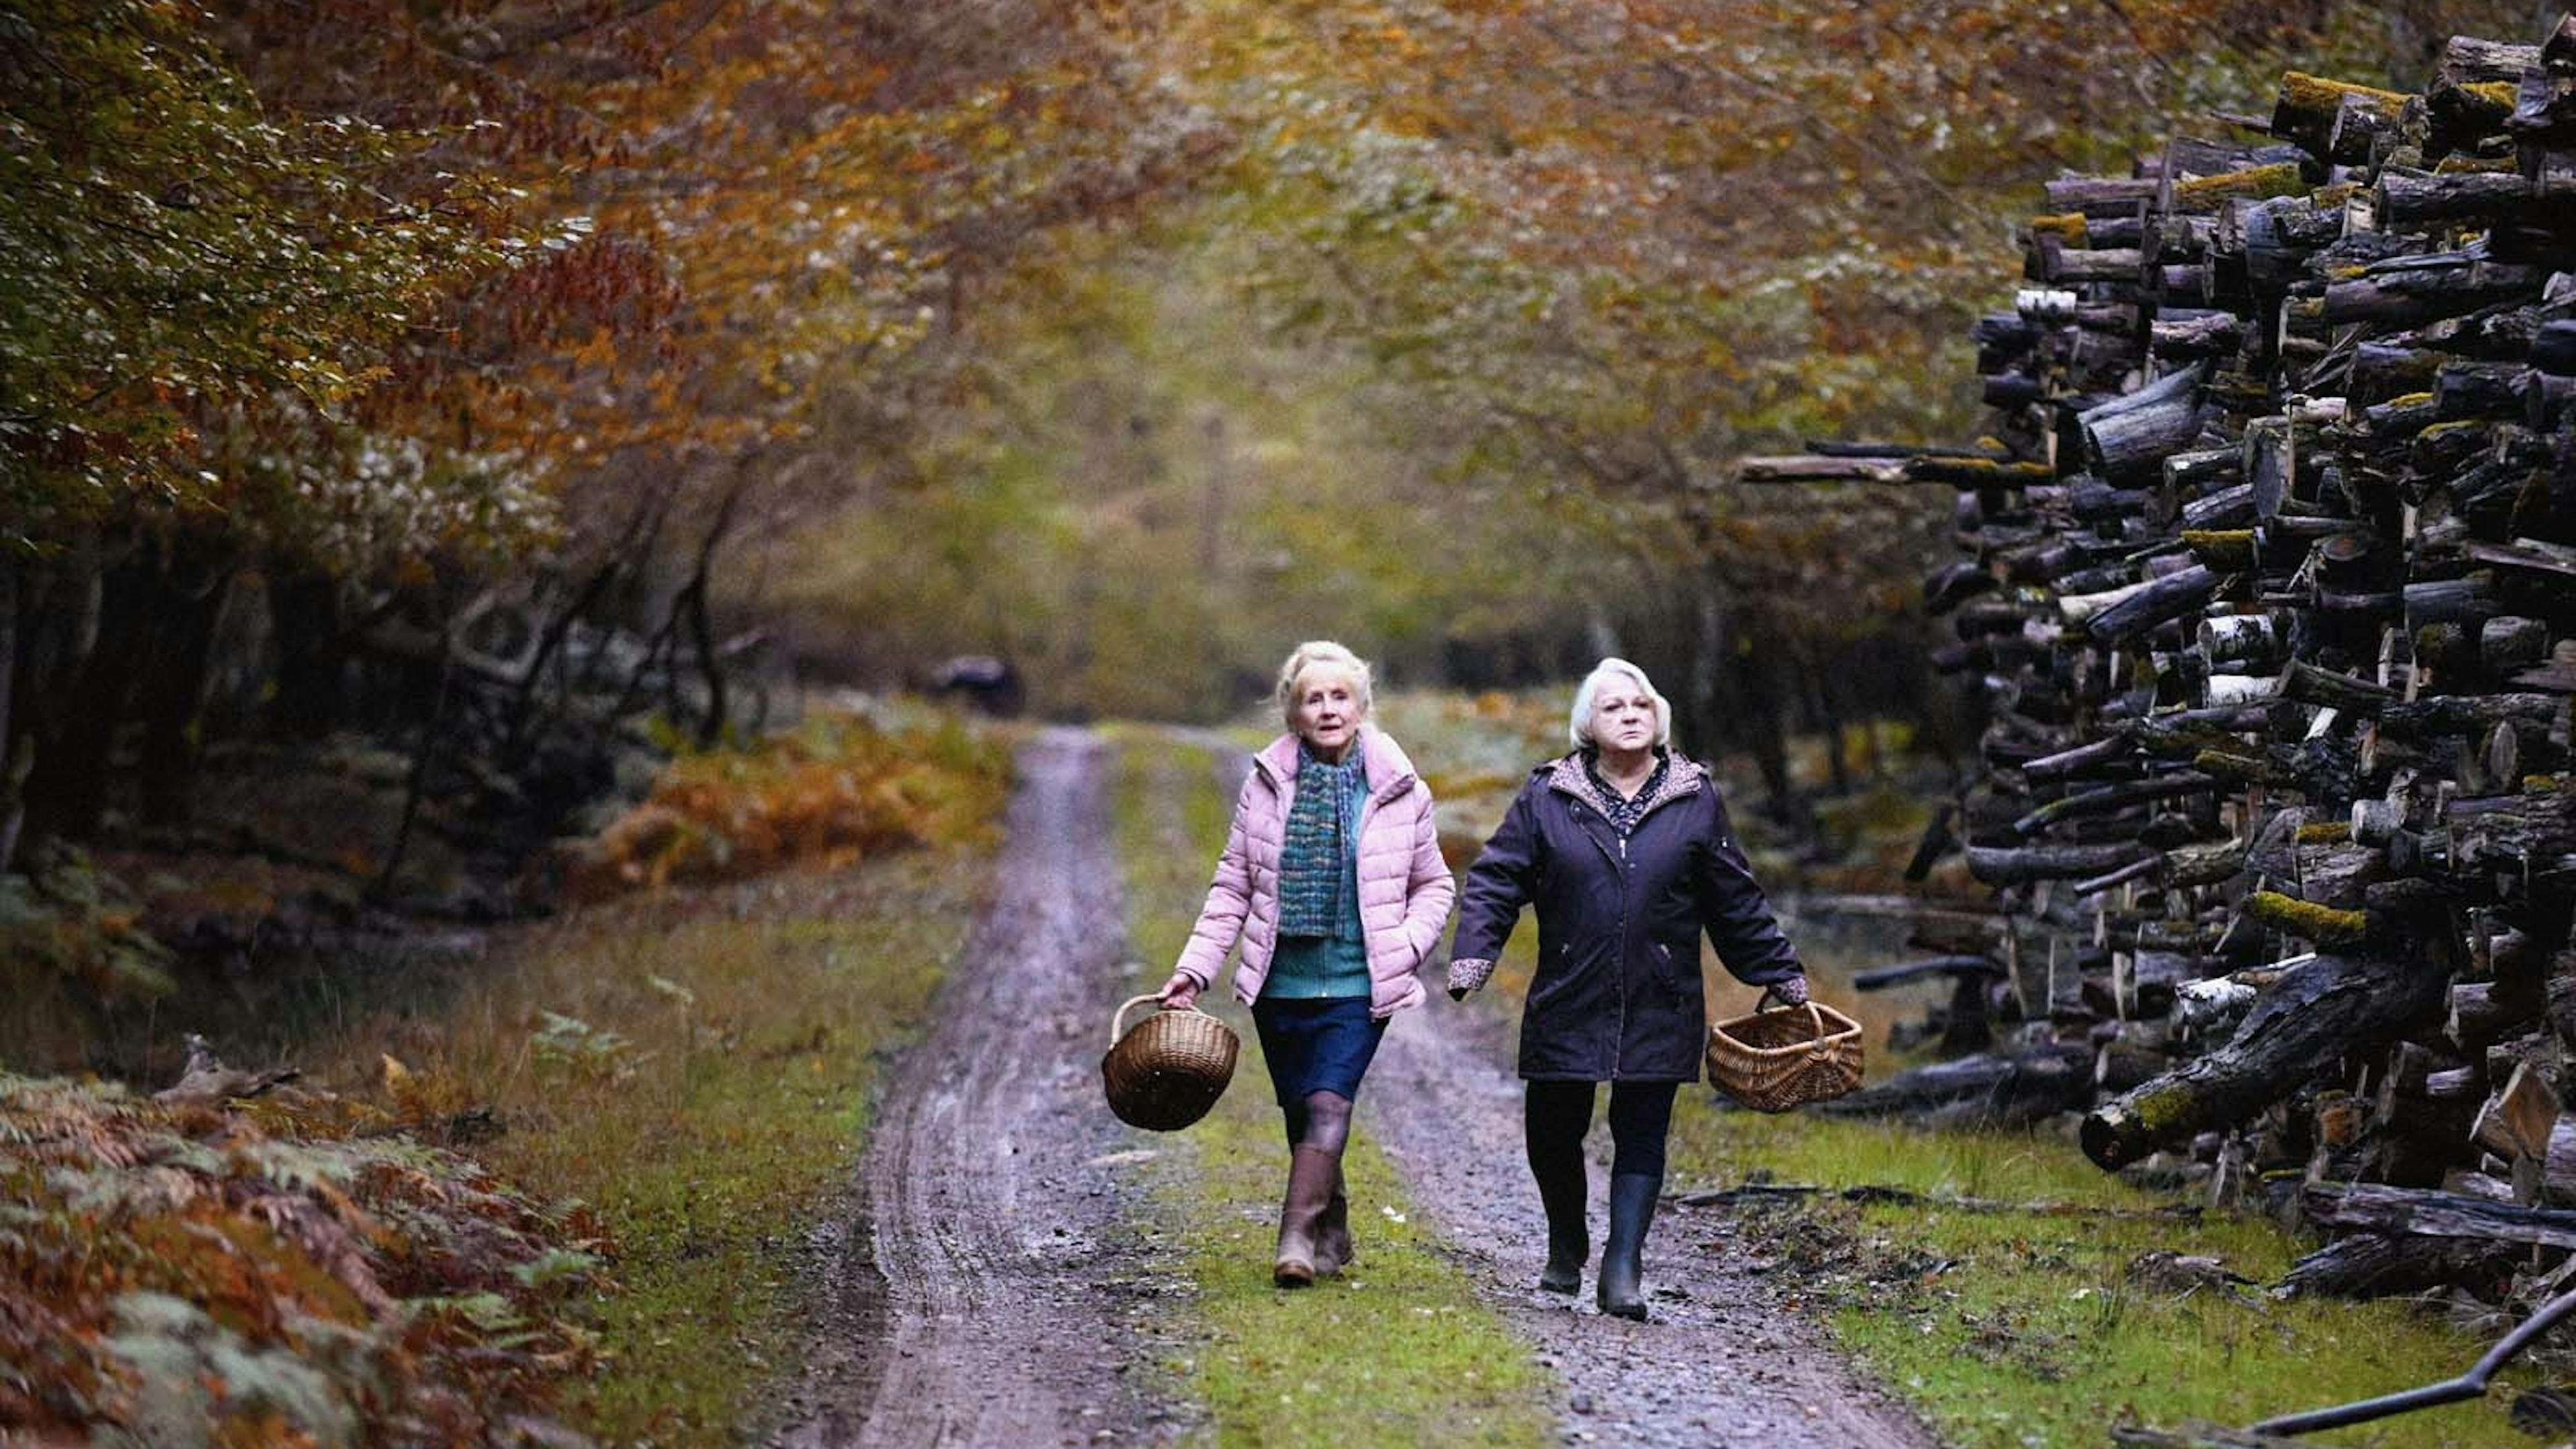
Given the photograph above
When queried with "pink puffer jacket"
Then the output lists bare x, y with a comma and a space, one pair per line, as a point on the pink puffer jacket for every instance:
1405, 887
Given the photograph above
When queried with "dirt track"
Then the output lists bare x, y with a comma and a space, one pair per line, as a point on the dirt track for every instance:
988, 1289
973, 1293
1719, 1364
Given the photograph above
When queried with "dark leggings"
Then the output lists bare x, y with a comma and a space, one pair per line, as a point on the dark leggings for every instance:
1320, 1119
1557, 1114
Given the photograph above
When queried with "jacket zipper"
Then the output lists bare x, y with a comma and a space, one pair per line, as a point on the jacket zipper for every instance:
1619, 1049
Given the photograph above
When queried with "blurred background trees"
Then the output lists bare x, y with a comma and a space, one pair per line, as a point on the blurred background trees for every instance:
387, 364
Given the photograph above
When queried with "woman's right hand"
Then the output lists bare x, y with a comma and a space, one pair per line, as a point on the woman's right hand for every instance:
1180, 993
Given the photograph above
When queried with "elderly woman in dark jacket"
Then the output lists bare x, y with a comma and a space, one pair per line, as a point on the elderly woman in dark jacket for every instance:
1624, 850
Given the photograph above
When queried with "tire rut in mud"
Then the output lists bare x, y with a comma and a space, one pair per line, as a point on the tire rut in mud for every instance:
974, 1294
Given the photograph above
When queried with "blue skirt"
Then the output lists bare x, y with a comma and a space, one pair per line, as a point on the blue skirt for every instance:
1320, 1044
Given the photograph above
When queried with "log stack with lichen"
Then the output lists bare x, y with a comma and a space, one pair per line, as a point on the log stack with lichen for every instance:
2268, 596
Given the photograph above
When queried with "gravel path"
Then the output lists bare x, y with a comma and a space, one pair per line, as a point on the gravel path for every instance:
974, 1289
1720, 1363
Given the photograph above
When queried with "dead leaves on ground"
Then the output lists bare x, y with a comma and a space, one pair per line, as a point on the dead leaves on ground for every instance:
190, 1273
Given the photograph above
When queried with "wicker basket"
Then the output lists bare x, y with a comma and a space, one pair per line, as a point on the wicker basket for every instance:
1167, 1072
1772, 1061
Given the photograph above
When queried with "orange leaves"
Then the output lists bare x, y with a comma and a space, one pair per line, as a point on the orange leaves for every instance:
838, 791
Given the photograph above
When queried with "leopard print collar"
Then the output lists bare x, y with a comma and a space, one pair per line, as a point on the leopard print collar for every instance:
1682, 777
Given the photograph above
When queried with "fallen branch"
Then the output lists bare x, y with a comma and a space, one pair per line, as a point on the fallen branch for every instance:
1880, 1194
2470, 1385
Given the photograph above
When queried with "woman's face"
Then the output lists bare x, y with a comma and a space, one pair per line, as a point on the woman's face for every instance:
1327, 713
1623, 716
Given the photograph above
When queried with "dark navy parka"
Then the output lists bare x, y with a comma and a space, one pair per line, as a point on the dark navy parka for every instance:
1617, 994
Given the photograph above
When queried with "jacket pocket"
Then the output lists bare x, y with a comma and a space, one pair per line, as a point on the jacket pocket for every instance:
1669, 972
1556, 973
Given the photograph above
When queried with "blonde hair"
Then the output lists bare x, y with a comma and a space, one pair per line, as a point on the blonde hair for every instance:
1578, 727
1310, 654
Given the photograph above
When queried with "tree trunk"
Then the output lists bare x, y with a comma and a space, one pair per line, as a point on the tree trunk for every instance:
2170, 597
1757, 712
2403, 298
2469, 196
172, 699
12, 807
68, 789
2002, 866
2376, 1265
2127, 440
1999, 1089
2422, 1213
1825, 699
312, 655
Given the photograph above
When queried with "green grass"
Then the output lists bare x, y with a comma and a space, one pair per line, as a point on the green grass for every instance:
1397, 1350
711, 1108
2019, 1328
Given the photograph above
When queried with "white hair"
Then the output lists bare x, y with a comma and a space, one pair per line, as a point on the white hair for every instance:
1326, 654
1579, 726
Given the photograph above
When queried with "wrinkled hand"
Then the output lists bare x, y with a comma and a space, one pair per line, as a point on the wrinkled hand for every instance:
1180, 993
1791, 990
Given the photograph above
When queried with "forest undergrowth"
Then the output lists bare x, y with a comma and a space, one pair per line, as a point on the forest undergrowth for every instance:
553, 1188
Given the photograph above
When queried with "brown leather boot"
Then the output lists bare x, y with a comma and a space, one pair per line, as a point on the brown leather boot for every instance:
1333, 1250
1311, 1171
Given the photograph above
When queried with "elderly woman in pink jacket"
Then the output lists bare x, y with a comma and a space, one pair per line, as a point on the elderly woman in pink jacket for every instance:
1332, 881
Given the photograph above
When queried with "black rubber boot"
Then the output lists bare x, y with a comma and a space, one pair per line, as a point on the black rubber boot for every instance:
1632, 1210
1569, 1239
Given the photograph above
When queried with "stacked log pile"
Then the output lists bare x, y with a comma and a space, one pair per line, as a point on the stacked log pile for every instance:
2269, 597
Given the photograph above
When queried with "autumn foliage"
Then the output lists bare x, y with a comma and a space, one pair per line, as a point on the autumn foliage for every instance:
193, 1272
840, 790
325, 324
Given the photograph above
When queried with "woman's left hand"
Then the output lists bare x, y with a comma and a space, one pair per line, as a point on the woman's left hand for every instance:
1467, 975
1792, 990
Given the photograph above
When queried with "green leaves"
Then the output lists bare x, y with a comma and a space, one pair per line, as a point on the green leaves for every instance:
177, 267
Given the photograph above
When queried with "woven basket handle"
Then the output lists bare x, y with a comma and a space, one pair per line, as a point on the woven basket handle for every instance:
1118, 1023
1814, 1014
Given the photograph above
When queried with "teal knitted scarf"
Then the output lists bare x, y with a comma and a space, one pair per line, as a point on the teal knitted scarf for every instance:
1319, 859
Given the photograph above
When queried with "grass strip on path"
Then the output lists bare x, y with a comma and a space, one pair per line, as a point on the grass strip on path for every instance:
1397, 1350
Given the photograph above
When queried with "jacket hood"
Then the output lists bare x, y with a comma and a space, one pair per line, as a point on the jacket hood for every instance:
1682, 776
